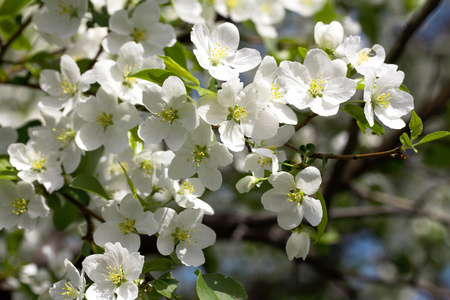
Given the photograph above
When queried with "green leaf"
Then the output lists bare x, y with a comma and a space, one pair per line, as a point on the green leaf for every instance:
178, 70
157, 76
415, 125
7, 171
13, 241
302, 52
176, 52
88, 162
217, 287
135, 141
357, 113
433, 136
201, 91
131, 185
160, 264
327, 14
90, 184
80, 196
8, 28
166, 285
403, 87
310, 149
323, 223
12, 7
65, 216
404, 139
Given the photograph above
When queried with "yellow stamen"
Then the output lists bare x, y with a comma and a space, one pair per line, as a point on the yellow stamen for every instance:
168, 115
115, 276
38, 163
19, 205
67, 9
275, 93
296, 196
218, 54
382, 100
64, 135
104, 120
198, 154
186, 187
70, 291
316, 87
126, 226
363, 56
139, 34
238, 113
184, 236
128, 81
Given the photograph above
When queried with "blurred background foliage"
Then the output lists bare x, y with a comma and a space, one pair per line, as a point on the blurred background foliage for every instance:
387, 235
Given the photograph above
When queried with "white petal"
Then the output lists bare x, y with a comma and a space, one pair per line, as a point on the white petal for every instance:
312, 209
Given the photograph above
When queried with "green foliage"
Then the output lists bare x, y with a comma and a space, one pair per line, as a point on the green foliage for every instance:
177, 53
23, 131
131, 185
90, 184
65, 216
160, 264
166, 285
433, 136
135, 141
13, 241
323, 223
178, 70
89, 162
8, 29
358, 114
157, 76
7, 171
415, 125
327, 14
12, 7
217, 287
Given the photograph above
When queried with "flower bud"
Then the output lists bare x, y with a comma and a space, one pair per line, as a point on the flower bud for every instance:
244, 185
328, 37
298, 245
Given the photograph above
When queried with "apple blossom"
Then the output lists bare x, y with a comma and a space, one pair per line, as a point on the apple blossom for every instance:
319, 84
384, 99
290, 199
72, 288
218, 52
298, 245
113, 272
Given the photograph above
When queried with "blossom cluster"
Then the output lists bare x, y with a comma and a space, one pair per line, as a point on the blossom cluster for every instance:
199, 137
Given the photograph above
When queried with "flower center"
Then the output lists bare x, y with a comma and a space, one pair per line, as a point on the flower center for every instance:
276, 93
139, 34
183, 235
70, 291
38, 162
296, 196
218, 54
382, 100
238, 113
316, 87
147, 166
186, 188
19, 205
198, 154
128, 81
232, 3
67, 86
126, 226
104, 120
115, 276
64, 135
67, 9
363, 56
168, 115
264, 160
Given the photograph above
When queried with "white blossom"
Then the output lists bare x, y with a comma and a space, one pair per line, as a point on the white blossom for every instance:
384, 99
290, 199
328, 36
217, 52
19, 206
73, 288
185, 233
298, 245
319, 84
113, 272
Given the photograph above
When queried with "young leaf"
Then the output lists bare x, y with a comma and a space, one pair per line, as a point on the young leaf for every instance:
65, 216
166, 285
7, 171
415, 125
302, 52
12, 7
157, 76
217, 287
358, 114
131, 185
160, 264
433, 136
135, 141
178, 70
323, 223
404, 139
90, 184
176, 52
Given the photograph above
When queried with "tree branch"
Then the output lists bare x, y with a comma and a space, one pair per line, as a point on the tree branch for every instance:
305, 121
413, 25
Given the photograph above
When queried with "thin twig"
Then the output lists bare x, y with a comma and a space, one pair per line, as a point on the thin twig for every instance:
305, 121
84, 208
388, 153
